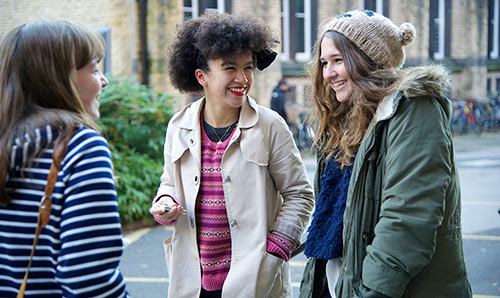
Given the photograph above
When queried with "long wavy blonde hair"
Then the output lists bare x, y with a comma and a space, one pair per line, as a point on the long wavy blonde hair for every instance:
341, 126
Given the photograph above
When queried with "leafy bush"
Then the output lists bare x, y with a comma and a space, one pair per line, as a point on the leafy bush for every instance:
133, 120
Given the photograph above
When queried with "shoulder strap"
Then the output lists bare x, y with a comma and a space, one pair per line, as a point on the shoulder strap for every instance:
45, 205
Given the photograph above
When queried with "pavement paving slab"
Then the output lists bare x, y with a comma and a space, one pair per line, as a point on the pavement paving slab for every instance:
478, 158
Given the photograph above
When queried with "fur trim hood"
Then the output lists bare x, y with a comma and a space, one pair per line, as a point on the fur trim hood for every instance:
417, 82
426, 80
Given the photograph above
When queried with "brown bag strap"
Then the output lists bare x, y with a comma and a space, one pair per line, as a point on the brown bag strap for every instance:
46, 204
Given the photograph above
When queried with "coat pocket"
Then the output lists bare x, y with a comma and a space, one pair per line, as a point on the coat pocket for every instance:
254, 148
167, 247
270, 280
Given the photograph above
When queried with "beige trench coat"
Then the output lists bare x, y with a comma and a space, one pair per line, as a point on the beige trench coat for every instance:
265, 187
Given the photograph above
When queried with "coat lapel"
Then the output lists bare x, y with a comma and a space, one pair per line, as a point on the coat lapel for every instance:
189, 137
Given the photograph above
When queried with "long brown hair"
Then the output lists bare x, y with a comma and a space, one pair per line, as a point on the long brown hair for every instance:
37, 74
341, 126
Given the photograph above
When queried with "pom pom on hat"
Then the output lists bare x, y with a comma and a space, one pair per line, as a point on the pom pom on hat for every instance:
374, 34
408, 33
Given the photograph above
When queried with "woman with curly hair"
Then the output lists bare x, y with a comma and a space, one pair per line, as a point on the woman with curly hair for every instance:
401, 193
234, 187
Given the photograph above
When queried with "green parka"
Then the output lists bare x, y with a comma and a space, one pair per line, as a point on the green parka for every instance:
402, 229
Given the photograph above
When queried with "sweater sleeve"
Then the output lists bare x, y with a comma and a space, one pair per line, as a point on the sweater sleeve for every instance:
279, 245
91, 238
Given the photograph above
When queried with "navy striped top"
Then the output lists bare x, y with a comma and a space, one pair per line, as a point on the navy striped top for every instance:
78, 252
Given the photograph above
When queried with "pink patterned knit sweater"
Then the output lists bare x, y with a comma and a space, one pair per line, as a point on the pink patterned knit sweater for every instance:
214, 235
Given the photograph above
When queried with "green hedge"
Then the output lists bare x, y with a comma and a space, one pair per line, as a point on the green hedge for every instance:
133, 120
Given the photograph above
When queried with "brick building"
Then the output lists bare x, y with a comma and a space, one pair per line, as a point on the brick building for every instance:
464, 35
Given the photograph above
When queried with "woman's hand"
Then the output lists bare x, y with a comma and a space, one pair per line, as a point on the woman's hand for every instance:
158, 209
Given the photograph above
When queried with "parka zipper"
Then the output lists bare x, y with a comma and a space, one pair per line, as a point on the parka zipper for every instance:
361, 173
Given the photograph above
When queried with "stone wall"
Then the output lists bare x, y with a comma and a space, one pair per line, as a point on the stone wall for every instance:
469, 47
468, 37
117, 15
163, 16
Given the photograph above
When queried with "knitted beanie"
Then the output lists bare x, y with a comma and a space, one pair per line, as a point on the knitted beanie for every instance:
377, 36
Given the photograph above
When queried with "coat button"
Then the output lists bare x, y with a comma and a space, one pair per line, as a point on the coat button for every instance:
227, 179
195, 180
233, 223
191, 141
191, 221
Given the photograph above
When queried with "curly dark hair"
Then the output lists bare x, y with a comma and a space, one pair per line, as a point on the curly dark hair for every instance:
213, 36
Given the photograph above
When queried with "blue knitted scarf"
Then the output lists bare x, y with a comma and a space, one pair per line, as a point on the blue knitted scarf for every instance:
324, 240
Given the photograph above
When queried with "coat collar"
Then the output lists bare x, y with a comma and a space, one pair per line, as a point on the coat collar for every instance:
189, 117
387, 107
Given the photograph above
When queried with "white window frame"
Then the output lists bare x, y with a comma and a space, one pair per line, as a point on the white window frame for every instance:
306, 55
307, 16
193, 9
285, 47
494, 53
379, 6
441, 21
221, 8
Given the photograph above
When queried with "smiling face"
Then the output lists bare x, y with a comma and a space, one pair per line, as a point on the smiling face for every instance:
334, 71
228, 80
89, 81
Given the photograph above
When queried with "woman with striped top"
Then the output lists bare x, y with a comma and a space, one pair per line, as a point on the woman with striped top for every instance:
234, 186
49, 86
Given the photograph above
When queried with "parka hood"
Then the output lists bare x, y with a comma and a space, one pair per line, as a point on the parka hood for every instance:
422, 81
426, 80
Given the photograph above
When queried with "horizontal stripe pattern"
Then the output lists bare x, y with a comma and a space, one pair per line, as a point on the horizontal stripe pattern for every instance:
78, 253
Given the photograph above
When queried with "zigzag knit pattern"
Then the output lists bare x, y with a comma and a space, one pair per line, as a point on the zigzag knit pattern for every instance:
214, 234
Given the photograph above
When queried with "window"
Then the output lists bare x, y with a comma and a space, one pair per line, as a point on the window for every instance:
380, 6
213, 6
106, 34
190, 9
493, 29
195, 8
439, 29
296, 29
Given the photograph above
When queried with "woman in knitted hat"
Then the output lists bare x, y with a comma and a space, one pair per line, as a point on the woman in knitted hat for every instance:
401, 228
234, 187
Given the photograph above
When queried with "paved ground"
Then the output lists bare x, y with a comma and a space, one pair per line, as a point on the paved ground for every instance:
478, 159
